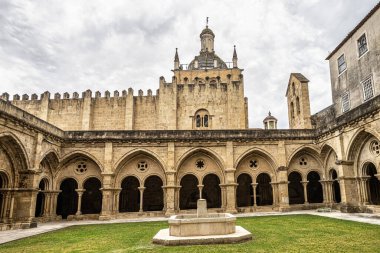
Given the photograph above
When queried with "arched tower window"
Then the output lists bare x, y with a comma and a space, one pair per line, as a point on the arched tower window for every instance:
293, 89
292, 110
202, 119
298, 105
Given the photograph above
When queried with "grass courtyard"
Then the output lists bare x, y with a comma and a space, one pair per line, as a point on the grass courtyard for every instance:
291, 233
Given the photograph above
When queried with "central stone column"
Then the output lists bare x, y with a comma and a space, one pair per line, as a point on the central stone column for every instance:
141, 199
304, 184
80, 194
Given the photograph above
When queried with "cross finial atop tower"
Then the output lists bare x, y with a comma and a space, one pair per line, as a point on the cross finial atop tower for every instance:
206, 21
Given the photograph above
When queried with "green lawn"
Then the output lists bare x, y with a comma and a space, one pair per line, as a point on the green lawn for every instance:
291, 233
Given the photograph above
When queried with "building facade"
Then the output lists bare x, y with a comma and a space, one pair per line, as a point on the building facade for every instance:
105, 157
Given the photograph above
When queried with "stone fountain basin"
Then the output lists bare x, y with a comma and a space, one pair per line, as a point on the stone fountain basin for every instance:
210, 224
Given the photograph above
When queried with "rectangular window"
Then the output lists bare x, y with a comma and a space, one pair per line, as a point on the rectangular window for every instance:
362, 45
346, 102
341, 64
367, 88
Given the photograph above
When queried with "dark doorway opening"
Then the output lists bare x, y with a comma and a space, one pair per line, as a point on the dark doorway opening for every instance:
264, 192
130, 195
335, 187
189, 192
374, 185
244, 191
295, 189
92, 196
40, 201
67, 198
153, 194
314, 188
211, 191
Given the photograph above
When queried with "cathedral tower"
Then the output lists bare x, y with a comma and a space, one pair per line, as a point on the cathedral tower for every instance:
297, 95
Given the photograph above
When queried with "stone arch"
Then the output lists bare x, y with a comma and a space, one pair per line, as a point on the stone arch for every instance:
304, 160
153, 196
295, 188
218, 159
189, 192
264, 191
52, 157
92, 196
357, 141
141, 164
329, 158
188, 163
67, 202
17, 156
244, 191
4, 181
326, 150
80, 153
79, 165
254, 162
309, 149
129, 198
211, 190
314, 188
268, 157
40, 200
48, 167
336, 196
135, 152
373, 183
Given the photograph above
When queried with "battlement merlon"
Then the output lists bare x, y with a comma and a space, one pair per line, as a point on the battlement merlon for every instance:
34, 98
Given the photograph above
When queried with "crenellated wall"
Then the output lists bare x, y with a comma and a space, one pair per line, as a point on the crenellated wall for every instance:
218, 91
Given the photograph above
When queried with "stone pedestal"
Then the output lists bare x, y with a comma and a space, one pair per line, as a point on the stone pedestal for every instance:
201, 208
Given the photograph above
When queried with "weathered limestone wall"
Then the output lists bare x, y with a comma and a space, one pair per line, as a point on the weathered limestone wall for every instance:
298, 103
358, 68
220, 92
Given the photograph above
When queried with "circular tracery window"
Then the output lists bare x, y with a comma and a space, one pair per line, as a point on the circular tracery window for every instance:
81, 167
142, 166
375, 147
253, 164
200, 164
303, 161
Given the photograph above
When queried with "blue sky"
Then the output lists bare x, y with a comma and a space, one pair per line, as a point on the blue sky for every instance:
76, 45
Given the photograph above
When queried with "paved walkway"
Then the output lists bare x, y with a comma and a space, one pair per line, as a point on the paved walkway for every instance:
11, 235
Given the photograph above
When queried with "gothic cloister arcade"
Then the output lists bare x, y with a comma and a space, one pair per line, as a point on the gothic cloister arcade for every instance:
304, 176
71, 186
200, 175
141, 179
255, 177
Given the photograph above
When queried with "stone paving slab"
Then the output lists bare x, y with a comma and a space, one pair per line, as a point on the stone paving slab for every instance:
11, 235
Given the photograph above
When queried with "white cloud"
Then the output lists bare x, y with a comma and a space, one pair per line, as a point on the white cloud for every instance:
76, 45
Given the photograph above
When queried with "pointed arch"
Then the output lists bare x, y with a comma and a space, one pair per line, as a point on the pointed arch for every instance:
77, 154
326, 150
261, 152
15, 150
50, 161
306, 149
135, 152
206, 151
357, 141
52, 157
213, 156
